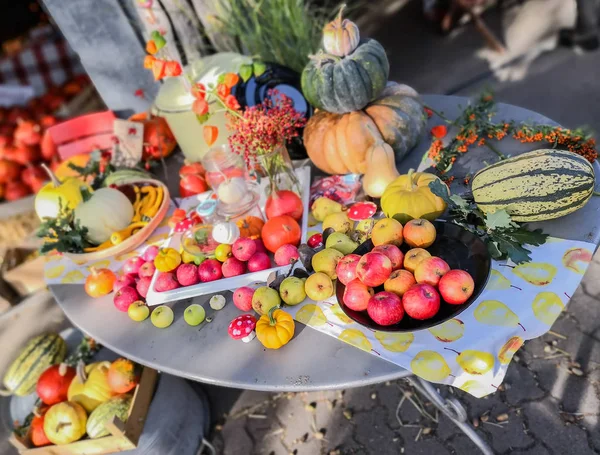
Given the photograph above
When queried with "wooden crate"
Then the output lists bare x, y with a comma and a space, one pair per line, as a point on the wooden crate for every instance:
124, 436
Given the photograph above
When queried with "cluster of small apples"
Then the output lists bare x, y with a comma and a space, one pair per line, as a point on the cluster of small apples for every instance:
244, 255
412, 282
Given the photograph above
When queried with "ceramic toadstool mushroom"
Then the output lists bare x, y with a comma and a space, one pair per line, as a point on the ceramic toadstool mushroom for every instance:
184, 225
242, 328
362, 211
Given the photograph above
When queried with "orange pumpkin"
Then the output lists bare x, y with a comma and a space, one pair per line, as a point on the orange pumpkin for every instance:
158, 137
122, 376
280, 230
251, 226
340, 144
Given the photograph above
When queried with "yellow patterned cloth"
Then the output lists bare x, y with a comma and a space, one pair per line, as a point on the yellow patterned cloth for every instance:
472, 351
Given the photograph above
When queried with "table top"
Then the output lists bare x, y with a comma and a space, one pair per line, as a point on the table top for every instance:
312, 360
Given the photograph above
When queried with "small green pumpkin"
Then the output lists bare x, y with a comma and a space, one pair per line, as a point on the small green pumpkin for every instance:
345, 84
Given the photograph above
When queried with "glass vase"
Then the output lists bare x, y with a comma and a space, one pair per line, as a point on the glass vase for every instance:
277, 167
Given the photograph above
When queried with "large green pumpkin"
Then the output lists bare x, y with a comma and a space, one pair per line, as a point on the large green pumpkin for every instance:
342, 85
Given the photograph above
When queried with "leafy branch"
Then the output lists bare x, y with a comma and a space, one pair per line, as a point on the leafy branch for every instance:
63, 234
503, 237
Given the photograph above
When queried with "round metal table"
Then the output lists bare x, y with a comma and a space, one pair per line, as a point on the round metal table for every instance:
312, 360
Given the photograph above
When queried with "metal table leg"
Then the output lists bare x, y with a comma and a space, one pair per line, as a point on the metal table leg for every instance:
453, 409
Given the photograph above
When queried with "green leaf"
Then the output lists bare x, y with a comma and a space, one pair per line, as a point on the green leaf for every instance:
492, 248
512, 249
259, 68
500, 219
221, 78
459, 201
246, 72
203, 118
526, 237
440, 189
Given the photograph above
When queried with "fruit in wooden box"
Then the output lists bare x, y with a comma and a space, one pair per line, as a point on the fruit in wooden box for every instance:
122, 375
340, 144
157, 135
409, 197
115, 407
65, 423
38, 354
53, 385
535, 186
90, 386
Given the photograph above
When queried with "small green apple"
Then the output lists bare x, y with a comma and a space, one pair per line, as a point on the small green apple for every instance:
162, 317
194, 314
291, 290
138, 311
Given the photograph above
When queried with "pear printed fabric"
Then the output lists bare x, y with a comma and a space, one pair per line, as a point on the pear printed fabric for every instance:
473, 350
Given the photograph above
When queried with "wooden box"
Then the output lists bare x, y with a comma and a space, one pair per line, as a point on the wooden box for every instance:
124, 436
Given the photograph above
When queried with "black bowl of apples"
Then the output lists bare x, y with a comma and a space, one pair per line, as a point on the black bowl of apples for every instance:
424, 287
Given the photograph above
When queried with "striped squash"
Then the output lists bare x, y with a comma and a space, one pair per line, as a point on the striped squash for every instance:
535, 186
40, 353
115, 407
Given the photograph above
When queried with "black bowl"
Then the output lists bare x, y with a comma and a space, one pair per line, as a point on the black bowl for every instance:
461, 250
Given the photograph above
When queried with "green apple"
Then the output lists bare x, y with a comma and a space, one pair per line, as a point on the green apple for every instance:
264, 299
194, 314
291, 290
326, 261
318, 286
138, 311
162, 317
341, 242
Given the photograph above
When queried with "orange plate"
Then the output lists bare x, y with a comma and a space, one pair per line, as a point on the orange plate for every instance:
135, 240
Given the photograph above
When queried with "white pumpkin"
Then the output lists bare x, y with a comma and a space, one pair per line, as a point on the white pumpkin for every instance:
226, 232
232, 191
107, 211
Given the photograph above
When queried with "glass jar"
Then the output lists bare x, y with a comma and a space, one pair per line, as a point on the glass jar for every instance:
277, 167
247, 212
174, 103
198, 241
221, 164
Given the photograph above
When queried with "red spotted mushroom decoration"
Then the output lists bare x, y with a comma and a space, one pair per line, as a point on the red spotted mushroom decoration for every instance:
362, 211
242, 328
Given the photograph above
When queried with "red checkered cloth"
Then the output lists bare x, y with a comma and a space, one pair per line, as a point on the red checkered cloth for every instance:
44, 62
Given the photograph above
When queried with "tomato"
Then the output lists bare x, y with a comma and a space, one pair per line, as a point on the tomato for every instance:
280, 230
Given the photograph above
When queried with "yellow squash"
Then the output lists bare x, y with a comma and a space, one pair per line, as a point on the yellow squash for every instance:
275, 329
167, 259
90, 389
65, 423
55, 194
409, 197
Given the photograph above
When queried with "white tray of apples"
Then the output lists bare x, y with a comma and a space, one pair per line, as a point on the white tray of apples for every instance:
212, 285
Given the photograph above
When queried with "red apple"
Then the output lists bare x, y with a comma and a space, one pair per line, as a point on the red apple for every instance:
385, 308
191, 184
258, 262
233, 267
315, 240
150, 253
122, 281
210, 270
143, 285
284, 202
243, 248
456, 287
242, 298
393, 253
373, 269
357, 295
187, 274
147, 269
421, 302
125, 297
286, 254
133, 265
346, 268
165, 281
260, 246
430, 270
399, 282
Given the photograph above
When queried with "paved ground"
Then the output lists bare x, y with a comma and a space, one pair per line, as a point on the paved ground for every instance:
550, 400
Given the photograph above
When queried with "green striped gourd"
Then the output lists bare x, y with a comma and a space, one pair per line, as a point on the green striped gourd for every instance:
535, 186
40, 353
115, 407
